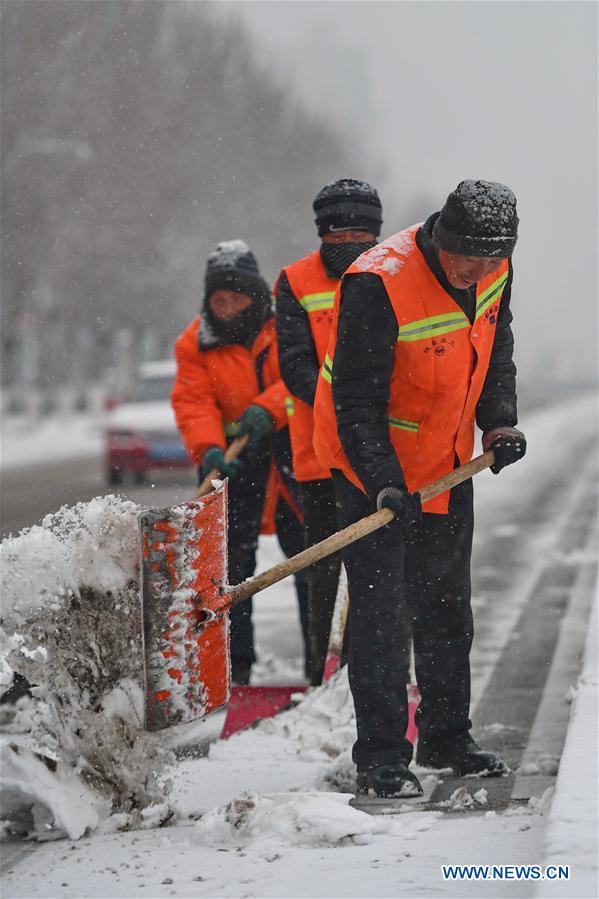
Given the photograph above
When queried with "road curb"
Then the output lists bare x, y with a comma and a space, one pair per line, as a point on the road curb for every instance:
571, 832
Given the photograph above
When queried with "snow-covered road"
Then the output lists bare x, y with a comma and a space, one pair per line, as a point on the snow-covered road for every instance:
264, 814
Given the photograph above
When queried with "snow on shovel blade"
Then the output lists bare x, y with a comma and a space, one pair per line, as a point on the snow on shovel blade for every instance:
185, 629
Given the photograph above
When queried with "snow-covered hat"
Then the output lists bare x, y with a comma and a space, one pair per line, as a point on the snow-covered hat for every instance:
348, 204
479, 219
233, 266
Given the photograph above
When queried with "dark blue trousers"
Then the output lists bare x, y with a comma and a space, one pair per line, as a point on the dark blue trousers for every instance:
425, 568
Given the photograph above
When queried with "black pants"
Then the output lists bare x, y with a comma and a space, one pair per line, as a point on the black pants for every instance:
246, 499
320, 521
290, 535
427, 570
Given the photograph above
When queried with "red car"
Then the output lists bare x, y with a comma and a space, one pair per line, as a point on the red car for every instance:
141, 433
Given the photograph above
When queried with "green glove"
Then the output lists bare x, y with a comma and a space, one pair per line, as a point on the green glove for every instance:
256, 422
215, 458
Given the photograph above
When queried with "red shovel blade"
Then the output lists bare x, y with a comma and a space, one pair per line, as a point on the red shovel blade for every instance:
250, 704
185, 630
413, 700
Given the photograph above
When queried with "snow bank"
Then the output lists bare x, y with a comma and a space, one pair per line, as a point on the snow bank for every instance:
71, 625
571, 835
91, 546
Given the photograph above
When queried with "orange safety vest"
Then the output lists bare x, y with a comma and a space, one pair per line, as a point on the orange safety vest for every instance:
441, 362
314, 291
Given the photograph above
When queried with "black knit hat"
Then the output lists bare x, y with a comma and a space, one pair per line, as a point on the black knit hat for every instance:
479, 219
233, 266
348, 204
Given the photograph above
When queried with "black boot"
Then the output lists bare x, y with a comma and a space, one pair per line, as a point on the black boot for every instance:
463, 755
389, 780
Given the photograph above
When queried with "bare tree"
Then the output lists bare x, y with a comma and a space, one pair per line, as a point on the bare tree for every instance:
134, 136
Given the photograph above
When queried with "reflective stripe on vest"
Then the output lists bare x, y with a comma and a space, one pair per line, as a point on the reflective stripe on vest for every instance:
490, 294
317, 302
314, 293
433, 326
327, 369
289, 409
403, 424
437, 325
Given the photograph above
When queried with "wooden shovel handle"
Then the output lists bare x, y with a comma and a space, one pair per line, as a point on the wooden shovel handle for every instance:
339, 618
352, 533
232, 452
337, 632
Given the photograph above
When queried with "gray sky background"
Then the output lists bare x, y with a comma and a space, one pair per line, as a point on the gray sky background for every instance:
440, 91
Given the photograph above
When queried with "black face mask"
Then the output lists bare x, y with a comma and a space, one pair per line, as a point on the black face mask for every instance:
337, 257
243, 328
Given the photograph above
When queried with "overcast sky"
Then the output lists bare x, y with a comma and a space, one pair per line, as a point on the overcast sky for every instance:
440, 91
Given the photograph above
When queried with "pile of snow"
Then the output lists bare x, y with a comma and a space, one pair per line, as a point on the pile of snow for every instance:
276, 820
318, 731
461, 800
71, 625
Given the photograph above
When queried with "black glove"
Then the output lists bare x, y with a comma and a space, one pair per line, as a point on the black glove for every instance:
407, 506
215, 458
508, 445
256, 422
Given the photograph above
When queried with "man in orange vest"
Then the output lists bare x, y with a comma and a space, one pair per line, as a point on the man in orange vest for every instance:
421, 349
348, 219
228, 384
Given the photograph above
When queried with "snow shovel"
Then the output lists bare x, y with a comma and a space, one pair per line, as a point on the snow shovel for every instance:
178, 631
186, 600
247, 703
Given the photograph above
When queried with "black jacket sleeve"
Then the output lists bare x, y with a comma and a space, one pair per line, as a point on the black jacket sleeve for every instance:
297, 354
497, 405
362, 369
